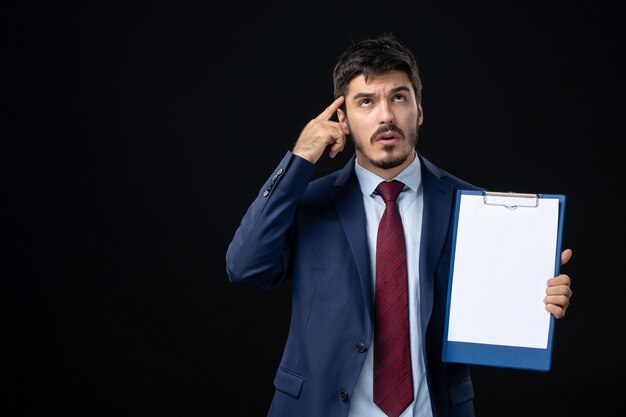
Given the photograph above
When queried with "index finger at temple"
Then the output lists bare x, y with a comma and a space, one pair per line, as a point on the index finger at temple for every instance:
330, 110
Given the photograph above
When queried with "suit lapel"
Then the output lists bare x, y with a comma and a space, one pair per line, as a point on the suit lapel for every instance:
348, 201
438, 196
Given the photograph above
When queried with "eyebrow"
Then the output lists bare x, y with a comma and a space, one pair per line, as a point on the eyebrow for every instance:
368, 94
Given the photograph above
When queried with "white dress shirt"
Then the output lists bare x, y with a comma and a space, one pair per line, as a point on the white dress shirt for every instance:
410, 204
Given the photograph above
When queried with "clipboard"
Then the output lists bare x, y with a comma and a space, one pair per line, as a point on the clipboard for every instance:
505, 247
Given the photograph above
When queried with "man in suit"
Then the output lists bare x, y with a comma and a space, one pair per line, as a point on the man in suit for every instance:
322, 235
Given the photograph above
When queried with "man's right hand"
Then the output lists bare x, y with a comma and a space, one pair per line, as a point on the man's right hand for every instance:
319, 133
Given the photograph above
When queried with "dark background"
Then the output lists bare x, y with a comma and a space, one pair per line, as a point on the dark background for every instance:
136, 136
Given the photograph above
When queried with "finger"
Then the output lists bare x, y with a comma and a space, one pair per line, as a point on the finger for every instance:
562, 279
566, 255
556, 304
560, 300
559, 290
330, 110
337, 146
557, 311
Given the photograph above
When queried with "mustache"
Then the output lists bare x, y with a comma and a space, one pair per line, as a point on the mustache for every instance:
386, 128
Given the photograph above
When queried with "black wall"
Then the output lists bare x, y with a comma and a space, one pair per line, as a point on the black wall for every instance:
136, 136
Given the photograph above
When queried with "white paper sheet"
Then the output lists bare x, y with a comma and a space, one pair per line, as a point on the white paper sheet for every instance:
502, 261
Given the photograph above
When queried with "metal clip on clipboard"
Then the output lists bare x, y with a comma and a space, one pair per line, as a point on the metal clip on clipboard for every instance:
511, 200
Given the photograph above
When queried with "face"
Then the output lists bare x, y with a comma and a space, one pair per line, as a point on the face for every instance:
382, 116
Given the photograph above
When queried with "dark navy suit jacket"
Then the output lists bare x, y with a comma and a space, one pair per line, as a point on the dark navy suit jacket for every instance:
313, 232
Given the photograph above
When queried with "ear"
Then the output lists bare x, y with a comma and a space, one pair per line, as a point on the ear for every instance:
420, 114
343, 121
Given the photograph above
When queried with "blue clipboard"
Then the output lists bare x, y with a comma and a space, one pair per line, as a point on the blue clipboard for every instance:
497, 344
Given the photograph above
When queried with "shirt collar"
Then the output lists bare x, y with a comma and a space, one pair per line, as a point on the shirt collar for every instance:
411, 176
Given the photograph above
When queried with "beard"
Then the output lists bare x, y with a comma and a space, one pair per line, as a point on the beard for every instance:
391, 159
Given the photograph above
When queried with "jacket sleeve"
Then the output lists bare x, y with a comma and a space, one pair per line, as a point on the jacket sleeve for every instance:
260, 252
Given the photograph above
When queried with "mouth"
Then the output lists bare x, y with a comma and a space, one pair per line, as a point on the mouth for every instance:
387, 138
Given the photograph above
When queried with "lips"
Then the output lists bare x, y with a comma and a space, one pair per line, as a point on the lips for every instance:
387, 138
387, 135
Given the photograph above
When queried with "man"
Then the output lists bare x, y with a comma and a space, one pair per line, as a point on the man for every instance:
322, 234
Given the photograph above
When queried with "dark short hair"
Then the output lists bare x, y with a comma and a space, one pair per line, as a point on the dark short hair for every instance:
372, 57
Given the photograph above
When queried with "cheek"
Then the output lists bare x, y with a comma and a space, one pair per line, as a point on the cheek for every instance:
410, 119
356, 126
365, 124
357, 136
360, 132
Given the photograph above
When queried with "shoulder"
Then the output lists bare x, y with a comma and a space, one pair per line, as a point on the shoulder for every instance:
429, 169
338, 181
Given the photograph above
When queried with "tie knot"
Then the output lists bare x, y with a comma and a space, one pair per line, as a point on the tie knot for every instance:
389, 190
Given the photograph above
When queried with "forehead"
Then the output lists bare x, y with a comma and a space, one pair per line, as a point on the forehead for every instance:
376, 83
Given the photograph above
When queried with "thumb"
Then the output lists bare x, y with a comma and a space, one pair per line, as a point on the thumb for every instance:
566, 255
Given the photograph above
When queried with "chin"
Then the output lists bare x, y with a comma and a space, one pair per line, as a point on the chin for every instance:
391, 160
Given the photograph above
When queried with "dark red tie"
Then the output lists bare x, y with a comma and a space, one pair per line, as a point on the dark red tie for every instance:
393, 380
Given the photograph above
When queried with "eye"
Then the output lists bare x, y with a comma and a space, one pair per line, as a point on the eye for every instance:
399, 97
366, 102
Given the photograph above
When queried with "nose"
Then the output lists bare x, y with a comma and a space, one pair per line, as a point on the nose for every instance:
386, 114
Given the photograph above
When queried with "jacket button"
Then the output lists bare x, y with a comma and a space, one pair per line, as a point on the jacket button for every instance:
360, 347
343, 395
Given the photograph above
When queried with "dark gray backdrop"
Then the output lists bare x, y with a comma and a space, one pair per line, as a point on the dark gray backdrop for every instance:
136, 136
